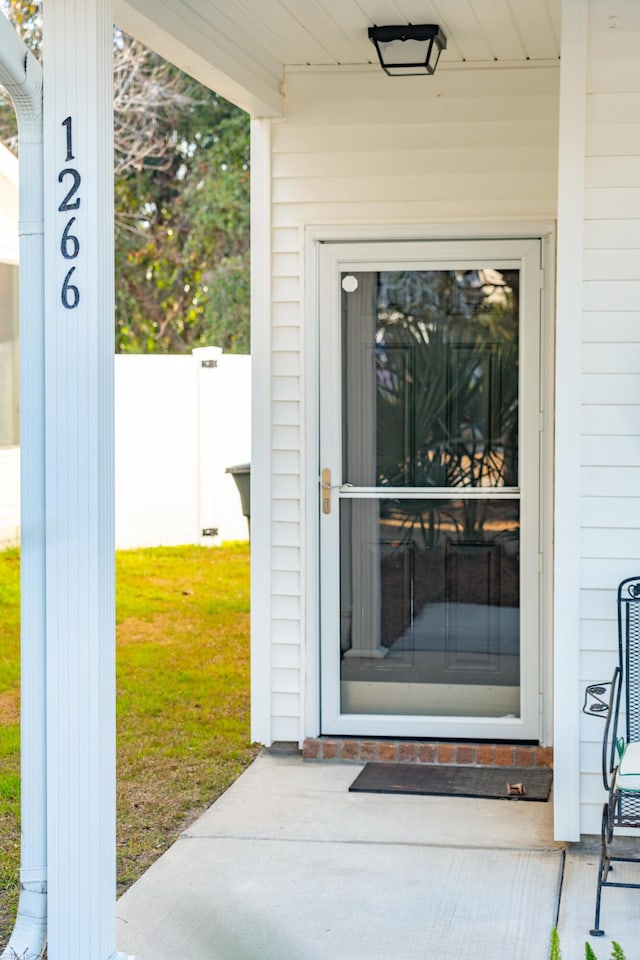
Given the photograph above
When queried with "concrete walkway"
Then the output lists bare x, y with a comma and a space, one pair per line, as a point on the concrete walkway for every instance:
288, 865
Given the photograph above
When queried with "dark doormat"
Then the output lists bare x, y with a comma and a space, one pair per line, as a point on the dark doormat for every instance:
495, 783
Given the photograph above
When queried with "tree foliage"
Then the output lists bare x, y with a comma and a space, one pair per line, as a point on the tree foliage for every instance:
181, 202
182, 228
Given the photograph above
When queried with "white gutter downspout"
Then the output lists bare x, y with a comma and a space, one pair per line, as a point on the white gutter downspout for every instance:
21, 76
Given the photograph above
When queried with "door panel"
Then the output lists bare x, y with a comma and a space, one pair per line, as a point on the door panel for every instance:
429, 427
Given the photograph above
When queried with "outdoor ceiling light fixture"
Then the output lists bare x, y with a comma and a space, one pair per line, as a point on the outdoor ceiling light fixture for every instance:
409, 49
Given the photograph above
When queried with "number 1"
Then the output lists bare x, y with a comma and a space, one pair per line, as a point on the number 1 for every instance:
67, 123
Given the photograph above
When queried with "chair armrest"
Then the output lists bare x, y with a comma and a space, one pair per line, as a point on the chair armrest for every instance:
595, 704
609, 740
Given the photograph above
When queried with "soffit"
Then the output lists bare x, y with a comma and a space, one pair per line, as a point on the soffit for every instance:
246, 45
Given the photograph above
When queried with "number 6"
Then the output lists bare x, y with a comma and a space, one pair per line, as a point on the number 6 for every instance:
69, 240
70, 295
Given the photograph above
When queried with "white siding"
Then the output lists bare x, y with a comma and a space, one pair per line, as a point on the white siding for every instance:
610, 424
10, 498
8, 206
358, 148
9, 412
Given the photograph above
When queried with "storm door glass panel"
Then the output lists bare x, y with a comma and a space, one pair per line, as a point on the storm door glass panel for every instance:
439, 580
429, 579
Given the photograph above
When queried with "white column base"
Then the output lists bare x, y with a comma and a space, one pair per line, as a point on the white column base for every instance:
373, 653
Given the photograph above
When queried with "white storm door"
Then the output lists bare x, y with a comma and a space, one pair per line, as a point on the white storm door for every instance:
429, 475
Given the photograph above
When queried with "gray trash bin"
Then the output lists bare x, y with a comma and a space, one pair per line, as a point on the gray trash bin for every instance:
241, 473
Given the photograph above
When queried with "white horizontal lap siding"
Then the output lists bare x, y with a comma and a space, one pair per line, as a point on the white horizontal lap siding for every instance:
357, 147
621, 513
286, 532
610, 381
462, 145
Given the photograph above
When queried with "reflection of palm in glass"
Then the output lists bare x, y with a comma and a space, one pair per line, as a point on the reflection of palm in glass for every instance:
430, 523
447, 379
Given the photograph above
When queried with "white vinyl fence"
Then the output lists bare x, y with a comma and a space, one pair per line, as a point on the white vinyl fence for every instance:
180, 421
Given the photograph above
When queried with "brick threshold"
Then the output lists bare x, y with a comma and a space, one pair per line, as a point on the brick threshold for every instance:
464, 753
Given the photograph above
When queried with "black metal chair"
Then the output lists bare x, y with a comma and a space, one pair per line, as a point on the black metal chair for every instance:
618, 702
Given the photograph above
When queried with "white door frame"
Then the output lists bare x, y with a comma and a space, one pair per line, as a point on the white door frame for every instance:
523, 255
313, 238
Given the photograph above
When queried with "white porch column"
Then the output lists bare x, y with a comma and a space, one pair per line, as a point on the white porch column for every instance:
21, 77
79, 347
571, 161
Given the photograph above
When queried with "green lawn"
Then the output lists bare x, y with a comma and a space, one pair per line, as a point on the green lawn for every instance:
182, 698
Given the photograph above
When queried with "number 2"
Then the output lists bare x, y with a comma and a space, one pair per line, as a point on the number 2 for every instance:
77, 180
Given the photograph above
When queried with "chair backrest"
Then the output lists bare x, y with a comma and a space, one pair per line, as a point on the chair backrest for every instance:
629, 653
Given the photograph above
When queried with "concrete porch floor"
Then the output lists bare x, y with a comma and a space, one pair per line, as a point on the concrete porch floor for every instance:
288, 865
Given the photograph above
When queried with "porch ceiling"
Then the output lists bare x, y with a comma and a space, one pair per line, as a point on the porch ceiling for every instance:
241, 47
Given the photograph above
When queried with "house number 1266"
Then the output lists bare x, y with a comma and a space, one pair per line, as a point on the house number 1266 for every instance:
69, 243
